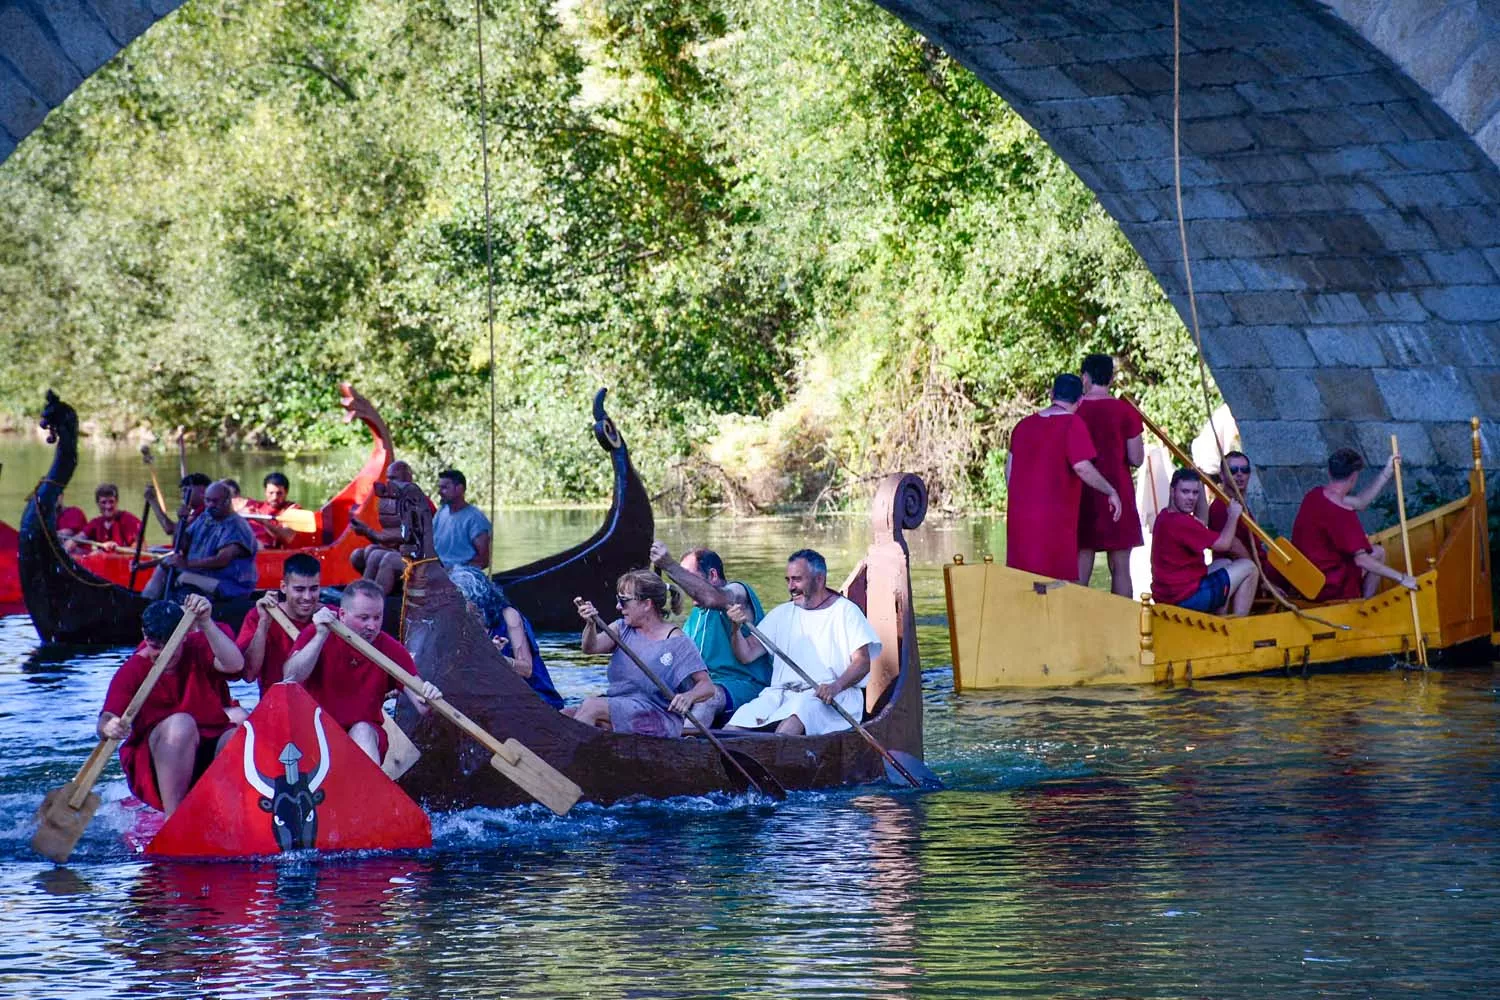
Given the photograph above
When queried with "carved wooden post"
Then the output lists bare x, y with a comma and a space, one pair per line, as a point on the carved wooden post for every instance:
1148, 631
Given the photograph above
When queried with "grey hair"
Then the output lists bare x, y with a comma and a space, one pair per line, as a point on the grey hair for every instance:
814, 560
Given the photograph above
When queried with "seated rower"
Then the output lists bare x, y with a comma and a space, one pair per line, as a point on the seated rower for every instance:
1178, 539
188, 716
1237, 466
381, 562
264, 643
1328, 532
71, 522
271, 534
113, 528
508, 629
827, 636
701, 576
350, 688
633, 704
220, 552
193, 485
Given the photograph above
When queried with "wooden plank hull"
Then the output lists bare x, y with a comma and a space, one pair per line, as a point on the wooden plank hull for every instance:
452, 651
1008, 628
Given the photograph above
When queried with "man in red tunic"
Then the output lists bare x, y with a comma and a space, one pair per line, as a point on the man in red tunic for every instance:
265, 643
113, 528
349, 687
188, 716
70, 523
1115, 427
1328, 532
1178, 539
270, 534
1050, 460
1237, 465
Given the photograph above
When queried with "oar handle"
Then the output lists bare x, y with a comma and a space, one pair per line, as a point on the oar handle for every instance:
413, 683
279, 617
776, 652
88, 774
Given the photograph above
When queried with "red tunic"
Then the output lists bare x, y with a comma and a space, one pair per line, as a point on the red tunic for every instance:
1041, 519
1218, 513
71, 519
278, 648
1111, 422
1331, 536
123, 531
264, 537
349, 687
1177, 544
192, 685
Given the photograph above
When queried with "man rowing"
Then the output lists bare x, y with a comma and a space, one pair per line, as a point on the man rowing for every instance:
263, 642
826, 635
188, 716
1237, 467
349, 687
1178, 539
113, 528
701, 577
271, 534
193, 486
1050, 461
1115, 428
219, 560
1328, 532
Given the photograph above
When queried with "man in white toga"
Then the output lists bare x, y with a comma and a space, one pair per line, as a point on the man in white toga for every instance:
826, 635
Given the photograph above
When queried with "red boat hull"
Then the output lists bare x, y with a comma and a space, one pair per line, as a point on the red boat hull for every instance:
291, 779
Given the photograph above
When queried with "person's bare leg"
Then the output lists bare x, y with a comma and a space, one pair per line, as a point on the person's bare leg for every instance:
357, 559
367, 738
1119, 571
1371, 583
593, 712
174, 749
1085, 566
387, 571
1244, 581
791, 726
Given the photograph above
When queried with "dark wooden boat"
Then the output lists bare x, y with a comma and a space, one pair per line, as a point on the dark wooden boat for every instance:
452, 651
543, 591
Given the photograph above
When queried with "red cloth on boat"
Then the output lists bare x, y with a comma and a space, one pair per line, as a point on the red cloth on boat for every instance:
71, 519
1111, 422
1041, 519
263, 536
192, 685
1177, 566
123, 531
278, 647
1218, 513
1330, 535
349, 687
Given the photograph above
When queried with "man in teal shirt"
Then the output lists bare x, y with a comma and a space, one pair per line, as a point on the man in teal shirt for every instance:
701, 577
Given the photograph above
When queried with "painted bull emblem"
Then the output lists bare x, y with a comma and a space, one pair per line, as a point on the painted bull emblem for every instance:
291, 798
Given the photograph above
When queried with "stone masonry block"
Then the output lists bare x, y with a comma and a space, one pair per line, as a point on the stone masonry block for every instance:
1044, 84
1350, 394
1283, 442
1350, 160
1246, 390
1339, 346
51, 75
1294, 393
1464, 303
1218, 135
1426, 394
1267, 308
1452, 440
1406, 345
1417, 121
1234, 348
1267, 274
125, 19
1459, 267
1443, 42
83, 38
1286, 345
1338, 434
1374, 442
1397, 230
20, 109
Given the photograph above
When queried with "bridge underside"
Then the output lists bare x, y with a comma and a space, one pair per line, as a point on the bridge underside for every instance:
1339, 172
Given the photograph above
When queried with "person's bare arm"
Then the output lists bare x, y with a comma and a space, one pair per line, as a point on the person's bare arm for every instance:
1092, 477
1226, 534
593, 640
702, 690
1370, 564
1363, 499
482, 551
746, 648
255, 649
1135, 452
227, 656
299, 666
519, 658
859, 666
703, 593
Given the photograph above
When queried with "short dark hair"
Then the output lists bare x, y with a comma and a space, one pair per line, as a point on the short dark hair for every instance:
814, 560
106, 490
707, 560
456, 476
233, 484
160, 619
1237, 454
1100, 368
1185, 476
368, 588
1344, 463
301, 564
195, 479
1067, 388
276, 479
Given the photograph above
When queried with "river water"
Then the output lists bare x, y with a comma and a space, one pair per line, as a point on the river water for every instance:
1331, 836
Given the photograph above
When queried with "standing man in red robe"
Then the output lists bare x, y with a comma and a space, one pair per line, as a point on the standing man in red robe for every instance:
1328, 532
1115, 427
1050, 461
1178, 539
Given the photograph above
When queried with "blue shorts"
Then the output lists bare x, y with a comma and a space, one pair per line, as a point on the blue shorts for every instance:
1212, 591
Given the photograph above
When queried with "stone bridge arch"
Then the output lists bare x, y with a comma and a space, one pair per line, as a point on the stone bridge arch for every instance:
1340, 172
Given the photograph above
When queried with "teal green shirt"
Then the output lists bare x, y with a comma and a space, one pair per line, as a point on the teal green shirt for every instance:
709, 629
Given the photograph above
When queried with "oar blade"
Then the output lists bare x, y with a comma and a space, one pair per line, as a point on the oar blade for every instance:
770, 787
59, 825
300, 520
536, 777
1296, 568
401, 753
926, 778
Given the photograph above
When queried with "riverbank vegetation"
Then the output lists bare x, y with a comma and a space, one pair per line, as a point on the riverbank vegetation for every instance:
801, 245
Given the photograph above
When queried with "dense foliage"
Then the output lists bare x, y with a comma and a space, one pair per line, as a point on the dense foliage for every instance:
802, 245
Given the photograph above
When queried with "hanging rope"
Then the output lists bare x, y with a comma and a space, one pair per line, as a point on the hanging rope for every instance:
489, 245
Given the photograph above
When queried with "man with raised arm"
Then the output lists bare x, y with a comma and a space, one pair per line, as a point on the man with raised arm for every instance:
187, 718
1328, 532
195, 483
349, 687
265, 643
1050, 462
1178, 540
826, 635
701, 577
220, 552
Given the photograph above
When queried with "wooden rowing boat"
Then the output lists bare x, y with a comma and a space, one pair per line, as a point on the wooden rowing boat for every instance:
1009, 628
543, 590
452, 650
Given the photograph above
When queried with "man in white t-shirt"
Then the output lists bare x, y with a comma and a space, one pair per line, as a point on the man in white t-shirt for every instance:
460, 531
827, 636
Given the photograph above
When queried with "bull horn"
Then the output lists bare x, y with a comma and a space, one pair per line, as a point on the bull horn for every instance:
252, 776
323, 761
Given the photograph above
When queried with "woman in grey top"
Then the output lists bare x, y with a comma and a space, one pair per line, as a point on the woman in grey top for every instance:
633, 704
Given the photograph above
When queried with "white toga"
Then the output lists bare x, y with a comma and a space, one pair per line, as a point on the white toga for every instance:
821, 643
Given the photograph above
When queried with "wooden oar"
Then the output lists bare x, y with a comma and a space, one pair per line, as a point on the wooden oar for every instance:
767, 785
66, 811
901, 769
515, 760
140, 545
1416, 618
298, 519
1298, 570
